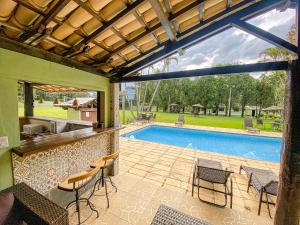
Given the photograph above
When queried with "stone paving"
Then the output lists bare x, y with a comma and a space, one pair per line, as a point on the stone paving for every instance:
152, 174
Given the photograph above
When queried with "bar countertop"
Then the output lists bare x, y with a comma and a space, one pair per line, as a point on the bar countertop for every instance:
39, 144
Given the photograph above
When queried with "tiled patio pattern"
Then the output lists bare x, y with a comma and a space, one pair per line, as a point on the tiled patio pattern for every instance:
152, 174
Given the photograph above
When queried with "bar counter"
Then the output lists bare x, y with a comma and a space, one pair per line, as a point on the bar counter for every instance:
42, 162
44, 143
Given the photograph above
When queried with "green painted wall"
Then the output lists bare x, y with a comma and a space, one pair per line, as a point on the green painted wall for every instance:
15, 66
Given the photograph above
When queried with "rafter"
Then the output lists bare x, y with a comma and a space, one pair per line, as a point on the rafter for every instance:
29, 36
150, 31
201, 11
163, 18
167, 5
264, 35
109, 24
131, 42
199, 35
247, 68
143, 23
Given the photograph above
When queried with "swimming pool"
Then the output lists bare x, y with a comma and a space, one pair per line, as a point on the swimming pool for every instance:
248, 146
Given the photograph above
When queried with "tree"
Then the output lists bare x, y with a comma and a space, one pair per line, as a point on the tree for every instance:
247, 90
265, 93
205, 91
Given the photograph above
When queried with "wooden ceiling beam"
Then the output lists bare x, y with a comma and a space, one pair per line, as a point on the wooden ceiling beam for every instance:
201, 11
150, 31
28, 6
130, 8
163, 18
89, 10
28, 37
167, 5
13, 45
195, 35
131, 42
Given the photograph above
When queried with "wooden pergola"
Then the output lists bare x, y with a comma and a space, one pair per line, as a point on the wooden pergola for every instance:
118, 38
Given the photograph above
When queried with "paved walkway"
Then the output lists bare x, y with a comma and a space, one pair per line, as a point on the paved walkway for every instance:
152, 174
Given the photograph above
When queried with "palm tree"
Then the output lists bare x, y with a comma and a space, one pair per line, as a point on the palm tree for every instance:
165, 68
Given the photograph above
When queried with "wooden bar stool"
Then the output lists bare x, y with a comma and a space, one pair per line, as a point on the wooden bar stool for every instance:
77, 182
104, 163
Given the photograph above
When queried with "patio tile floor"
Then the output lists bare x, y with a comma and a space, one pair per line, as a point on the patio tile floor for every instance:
152, 174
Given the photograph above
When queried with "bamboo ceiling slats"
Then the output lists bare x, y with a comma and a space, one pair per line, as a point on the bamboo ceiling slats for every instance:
104, 34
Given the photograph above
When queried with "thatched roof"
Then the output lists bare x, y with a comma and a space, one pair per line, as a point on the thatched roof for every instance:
107, 35
198, 105
57, 88
77, 103
273, 108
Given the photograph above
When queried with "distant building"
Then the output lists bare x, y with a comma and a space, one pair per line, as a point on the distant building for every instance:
80, 109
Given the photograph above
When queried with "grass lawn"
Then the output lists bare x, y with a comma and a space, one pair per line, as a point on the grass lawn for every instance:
47, 109
235, 122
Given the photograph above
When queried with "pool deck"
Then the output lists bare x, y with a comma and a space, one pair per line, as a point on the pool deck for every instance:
152, 174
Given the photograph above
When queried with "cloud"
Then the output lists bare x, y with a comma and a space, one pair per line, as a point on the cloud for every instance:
234, 45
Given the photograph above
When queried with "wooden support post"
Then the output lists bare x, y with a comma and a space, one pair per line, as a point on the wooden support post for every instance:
288, 200
98, 107
28, 99
114, 111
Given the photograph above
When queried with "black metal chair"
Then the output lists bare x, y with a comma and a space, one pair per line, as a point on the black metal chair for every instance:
76, 183
103, 164
264, 182
212, 172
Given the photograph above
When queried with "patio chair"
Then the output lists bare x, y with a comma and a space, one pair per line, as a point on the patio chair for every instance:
264, 182
153, 117
76, 183
276, 125
248, 124
260, 122
103, 164
133, 121
212, 172
180, 121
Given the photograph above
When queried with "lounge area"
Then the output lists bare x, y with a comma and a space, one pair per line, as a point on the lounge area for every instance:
153, 174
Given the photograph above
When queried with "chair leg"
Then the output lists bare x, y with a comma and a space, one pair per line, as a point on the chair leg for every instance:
93, 191
231, 193
249, 182
198, 188
260, 201
78, 206
106, 193
225, 194
193, 183
112, 183
102, 175
90, 204
267, 201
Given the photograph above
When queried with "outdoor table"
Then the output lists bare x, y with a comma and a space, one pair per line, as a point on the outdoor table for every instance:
34, 208
168, 216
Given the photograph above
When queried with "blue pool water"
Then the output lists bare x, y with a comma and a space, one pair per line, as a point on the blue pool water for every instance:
248, 146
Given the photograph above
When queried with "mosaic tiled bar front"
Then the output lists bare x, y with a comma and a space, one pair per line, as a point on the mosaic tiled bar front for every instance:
44, 170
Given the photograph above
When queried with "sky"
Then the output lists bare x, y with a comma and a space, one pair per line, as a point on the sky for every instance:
234, 45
